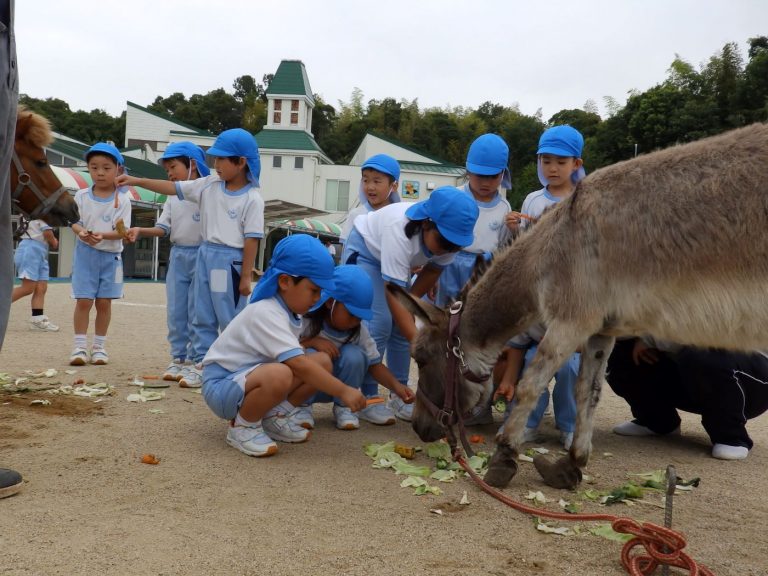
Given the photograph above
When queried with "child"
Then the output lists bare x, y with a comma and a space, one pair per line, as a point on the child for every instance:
560, 168
334, 327
232, 218
182, 161
388, 243
256, 372
31, 261
378, 188
97, 270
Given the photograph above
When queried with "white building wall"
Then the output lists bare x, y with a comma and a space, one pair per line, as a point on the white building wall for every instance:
287, 183
372, 145
140, 125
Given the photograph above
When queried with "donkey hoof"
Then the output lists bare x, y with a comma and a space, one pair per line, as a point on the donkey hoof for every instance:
562, 473
501, 468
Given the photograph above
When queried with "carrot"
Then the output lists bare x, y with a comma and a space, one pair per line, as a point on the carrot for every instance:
150, 377
477, 439
150, 459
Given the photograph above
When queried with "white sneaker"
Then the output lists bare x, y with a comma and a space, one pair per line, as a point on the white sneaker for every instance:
251, 441
377, 412
99, 357
728, 452
632, 428
566, 439
79, 357
345, 418
42, 324
401, 409
174, 370
193, 378
303, 416
281, 427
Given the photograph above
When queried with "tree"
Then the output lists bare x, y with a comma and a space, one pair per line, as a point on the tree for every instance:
584, 122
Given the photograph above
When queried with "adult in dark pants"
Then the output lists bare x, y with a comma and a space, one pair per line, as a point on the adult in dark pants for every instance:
658, 379
10, 480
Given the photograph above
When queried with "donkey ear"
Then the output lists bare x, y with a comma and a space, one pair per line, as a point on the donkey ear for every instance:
416, 306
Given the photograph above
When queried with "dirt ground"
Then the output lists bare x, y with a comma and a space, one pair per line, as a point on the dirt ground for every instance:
90, 507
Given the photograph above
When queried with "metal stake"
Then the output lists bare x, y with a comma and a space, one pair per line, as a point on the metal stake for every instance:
671, 484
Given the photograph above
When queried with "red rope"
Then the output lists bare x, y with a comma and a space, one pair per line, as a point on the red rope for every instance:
662, 545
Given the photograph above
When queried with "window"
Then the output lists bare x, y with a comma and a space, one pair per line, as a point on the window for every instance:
294, 118
277, 161
298, 162
294, 105
276, 115
337, 195
278, 105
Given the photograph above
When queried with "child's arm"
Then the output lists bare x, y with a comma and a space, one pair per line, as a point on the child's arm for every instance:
425, 280
322, 345
383, 376
250, 249
136, 232
509, 380
401, 317
89, 237
306, 370
165, 187
50, 239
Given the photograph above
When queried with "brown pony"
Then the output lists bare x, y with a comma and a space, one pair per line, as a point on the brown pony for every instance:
35, 190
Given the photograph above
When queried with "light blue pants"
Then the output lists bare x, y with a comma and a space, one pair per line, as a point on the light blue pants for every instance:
31, 259
563, 395
217, 294
387, 335
179, 290
350, 367
454, 277
96, 273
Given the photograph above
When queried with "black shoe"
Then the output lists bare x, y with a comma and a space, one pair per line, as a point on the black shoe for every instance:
10, 482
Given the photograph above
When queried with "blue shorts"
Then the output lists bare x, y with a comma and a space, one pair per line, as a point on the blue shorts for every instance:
224, 391
96, 273
31, 260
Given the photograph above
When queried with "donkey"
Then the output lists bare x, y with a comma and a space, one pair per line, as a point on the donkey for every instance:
671, 244
35, 190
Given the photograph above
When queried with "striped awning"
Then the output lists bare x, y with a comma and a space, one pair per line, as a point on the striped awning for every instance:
310, 224
79, 179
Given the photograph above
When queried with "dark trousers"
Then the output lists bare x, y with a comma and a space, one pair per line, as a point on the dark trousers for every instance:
726, 388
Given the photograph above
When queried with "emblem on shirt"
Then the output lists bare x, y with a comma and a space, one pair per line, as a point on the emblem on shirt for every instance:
232, 214
106, 218
495, 225
196, 216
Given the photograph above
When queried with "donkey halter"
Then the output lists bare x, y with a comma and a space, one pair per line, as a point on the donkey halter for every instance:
46, 203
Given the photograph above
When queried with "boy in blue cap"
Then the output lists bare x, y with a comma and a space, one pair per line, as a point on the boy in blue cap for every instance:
390, 242
257, 372
334, 327
97, 269
560, 168
180, 219
232, 218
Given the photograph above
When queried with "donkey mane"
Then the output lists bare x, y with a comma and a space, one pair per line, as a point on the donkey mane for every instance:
33, 128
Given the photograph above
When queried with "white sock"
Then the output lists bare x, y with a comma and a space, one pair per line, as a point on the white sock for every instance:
81, 340
240, 421
98, 342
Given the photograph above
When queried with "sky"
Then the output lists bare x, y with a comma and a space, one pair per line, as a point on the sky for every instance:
549, 55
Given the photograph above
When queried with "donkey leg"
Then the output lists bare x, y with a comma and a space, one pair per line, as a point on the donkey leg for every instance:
503, 466
566, 471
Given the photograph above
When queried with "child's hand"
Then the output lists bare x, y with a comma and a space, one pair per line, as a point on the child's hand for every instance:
405, 394
353, 399
324, 345
245, 285
89, 237
125, 180
132, 234
512, 220
506, 390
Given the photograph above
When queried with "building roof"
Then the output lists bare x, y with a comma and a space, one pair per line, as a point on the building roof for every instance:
135, 166
274, 139
291, 80
190, 128
431, 168
410, 148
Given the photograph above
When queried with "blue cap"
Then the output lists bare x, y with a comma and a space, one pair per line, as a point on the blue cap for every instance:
453, 212
384, 164
489, 155
296, 255
353, 288
561, 141
104, 148
187, 150
239, 142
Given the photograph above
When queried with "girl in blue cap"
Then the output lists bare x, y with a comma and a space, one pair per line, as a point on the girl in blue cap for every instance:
334, 327
257, 372
232, 219
390, 242
97, 269
181, 219
560, 168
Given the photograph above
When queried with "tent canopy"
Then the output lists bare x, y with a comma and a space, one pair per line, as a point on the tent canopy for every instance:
79, 179
310, 225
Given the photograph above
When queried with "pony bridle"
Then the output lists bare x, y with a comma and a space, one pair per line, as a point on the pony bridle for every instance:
25, 181
450, 413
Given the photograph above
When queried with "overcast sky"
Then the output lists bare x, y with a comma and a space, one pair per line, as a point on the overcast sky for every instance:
550, 55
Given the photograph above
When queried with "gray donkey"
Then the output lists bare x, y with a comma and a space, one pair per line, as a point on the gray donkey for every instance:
673, 244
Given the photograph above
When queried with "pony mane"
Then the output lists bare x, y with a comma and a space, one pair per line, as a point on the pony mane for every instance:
32, 128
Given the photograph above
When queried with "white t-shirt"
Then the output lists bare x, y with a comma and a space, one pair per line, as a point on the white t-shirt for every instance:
535, 204
263, 332
100, 215
350, 221
227, 217
339, 338
383, 231
35, 230
490, 225
182, 220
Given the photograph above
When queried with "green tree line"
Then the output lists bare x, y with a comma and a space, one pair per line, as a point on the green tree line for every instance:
724, 93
